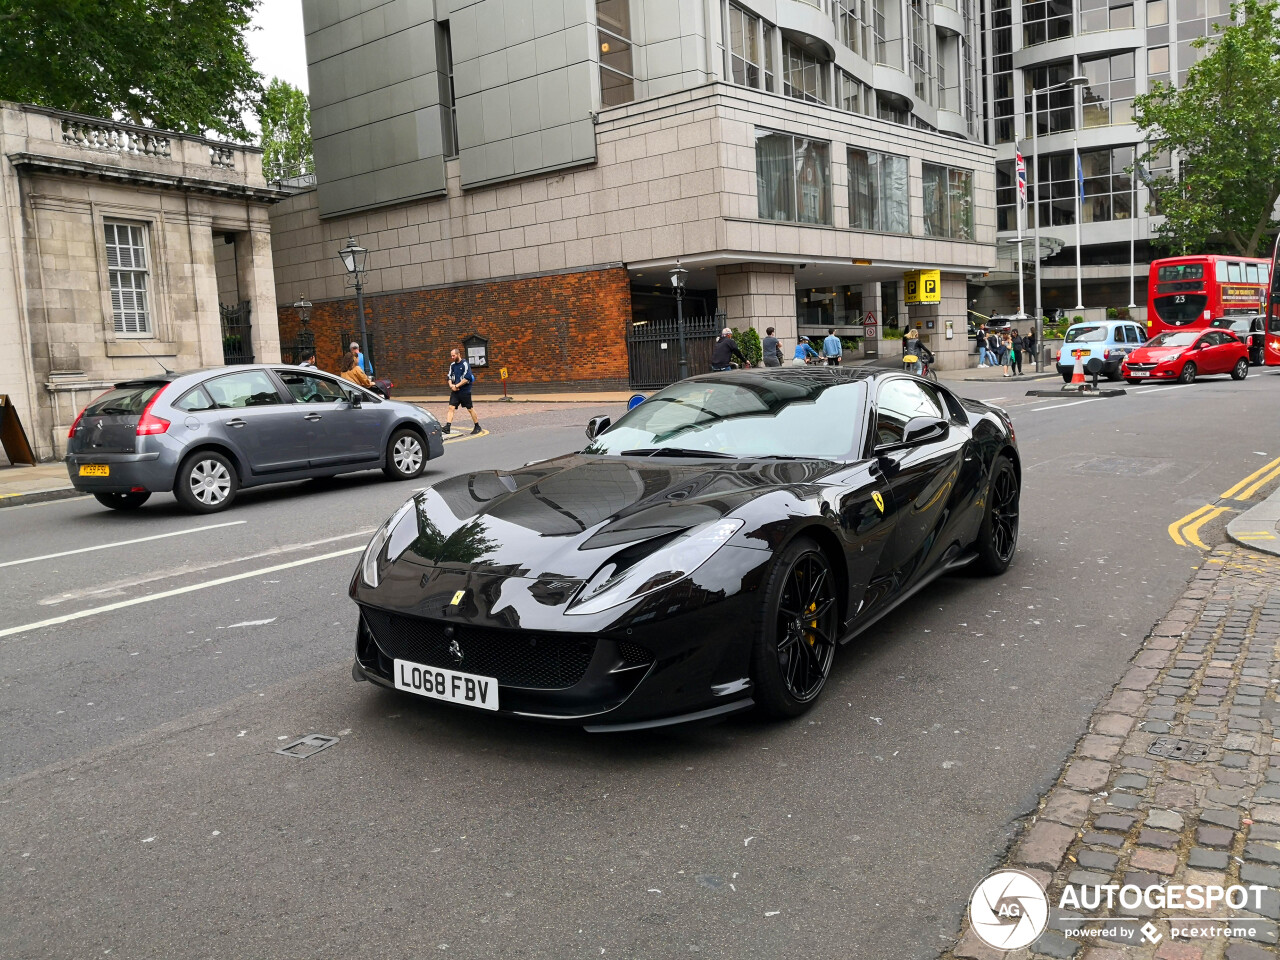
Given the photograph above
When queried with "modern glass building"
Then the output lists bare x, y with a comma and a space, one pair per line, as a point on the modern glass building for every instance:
1120, 48
530, 171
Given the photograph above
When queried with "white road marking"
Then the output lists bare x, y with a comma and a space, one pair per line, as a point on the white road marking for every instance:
122, 543
177, 591
119, 586
251, 623
1059, 406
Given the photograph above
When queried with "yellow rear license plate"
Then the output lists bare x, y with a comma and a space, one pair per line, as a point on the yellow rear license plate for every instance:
95, 470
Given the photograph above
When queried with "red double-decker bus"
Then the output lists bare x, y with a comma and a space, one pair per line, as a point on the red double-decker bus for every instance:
1271, 352
1184, 293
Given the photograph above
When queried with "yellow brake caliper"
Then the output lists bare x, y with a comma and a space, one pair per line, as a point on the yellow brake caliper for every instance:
813, 624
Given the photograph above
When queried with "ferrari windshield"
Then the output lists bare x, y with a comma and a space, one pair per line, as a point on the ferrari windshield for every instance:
742, 417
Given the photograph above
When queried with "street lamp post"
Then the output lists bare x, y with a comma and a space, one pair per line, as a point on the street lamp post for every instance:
305, 345
353, 259
1035, 186
678, 275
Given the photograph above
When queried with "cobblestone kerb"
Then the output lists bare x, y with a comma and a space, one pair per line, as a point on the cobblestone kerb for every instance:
1177, 781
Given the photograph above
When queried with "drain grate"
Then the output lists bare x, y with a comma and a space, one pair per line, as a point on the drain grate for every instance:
308, 746
1186, 750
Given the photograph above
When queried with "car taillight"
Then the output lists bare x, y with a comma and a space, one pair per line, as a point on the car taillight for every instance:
149, 425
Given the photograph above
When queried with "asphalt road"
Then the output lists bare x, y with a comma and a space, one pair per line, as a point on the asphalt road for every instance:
144, 812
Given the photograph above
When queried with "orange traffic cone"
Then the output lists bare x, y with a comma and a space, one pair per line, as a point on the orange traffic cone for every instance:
1077, 375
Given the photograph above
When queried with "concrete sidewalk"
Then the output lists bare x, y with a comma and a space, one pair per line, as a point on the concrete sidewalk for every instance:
45, 481
1259, 527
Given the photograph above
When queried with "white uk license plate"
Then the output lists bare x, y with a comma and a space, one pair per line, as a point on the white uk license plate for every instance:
1139, 373
449, 685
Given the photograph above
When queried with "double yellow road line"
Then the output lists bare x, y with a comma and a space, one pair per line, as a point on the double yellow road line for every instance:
1185, 531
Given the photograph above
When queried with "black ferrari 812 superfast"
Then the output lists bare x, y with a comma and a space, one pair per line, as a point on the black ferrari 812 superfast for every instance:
708, 552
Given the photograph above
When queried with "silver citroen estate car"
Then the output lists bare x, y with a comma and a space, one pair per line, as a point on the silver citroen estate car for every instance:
205, 435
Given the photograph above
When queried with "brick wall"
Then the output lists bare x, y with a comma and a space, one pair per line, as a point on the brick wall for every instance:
566, 331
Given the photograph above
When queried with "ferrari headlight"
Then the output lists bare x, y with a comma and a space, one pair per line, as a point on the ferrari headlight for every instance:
613, 585
373, 552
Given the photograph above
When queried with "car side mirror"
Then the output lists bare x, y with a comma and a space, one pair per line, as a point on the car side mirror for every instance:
354, 399
923, 430
597, 426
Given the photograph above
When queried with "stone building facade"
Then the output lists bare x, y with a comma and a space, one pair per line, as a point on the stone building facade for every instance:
542, 156
124, 249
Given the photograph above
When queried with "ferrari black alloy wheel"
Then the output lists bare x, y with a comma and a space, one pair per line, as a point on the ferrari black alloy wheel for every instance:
998, 536
797, 642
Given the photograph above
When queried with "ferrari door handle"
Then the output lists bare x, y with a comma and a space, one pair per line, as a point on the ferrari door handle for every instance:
237, 422
313, 416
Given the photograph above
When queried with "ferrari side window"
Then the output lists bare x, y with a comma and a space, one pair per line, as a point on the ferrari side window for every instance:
898, 402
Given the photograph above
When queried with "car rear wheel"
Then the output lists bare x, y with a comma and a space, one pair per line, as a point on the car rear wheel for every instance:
1131, 380
206, 482
1066, 376
1241, 369
406, 455
122, 501
796, 642
998, 534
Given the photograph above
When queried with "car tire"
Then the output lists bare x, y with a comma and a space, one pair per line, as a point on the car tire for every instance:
1188, 374
206, 482
998, 534
1240, 370
1132, 381
797, 637
406, 455
1066, 376
1114, 375
122, 501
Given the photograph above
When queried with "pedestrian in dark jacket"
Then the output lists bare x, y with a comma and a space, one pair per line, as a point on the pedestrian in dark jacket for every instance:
993, 349
724, 349
1015, 361
772, 349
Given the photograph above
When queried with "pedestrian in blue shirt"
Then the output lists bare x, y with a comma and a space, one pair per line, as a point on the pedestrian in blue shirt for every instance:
832, 348
361, 361
460, 380
804, 353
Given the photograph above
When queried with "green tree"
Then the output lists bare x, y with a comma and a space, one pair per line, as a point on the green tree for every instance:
1221, 124
175, 64
286, 130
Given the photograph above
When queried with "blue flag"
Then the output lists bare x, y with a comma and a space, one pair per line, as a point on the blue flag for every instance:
1080, 176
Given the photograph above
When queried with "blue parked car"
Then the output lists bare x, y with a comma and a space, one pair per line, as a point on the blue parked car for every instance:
1108, 340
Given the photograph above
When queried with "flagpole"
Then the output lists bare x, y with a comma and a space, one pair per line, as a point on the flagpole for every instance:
1075, 149
1035, 215
1022, 200
1133, 223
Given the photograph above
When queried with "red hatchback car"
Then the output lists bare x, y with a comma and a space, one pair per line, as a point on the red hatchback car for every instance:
1183, 355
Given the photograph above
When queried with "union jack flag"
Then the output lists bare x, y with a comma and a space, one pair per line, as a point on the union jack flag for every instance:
1022, 181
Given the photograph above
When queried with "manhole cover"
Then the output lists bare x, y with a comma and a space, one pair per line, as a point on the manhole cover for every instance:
308, 746
1185, 750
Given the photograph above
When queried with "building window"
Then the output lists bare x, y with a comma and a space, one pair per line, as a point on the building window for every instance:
948, 201
768, 56
1099, 15
1058, 107
744, 47
1157, 12
804, 76
793, 178
1108, 188
966, 70
878, 198
1045, 20
1108, 97
1007, 196
850, 18
444, 64
1002, 71
892, 110
921, 57
127, 269
613, 32
1157, 66
880, 30
852, 94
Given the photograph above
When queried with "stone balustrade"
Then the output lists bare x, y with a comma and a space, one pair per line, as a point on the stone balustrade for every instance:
116, 138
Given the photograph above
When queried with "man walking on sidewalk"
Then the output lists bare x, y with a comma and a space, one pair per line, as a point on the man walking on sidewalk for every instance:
460, 380
832, 348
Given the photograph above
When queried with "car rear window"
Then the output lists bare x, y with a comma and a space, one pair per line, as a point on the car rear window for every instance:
126, 400
1087, 335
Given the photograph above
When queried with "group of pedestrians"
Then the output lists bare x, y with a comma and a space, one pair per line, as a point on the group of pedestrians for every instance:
1005, 349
